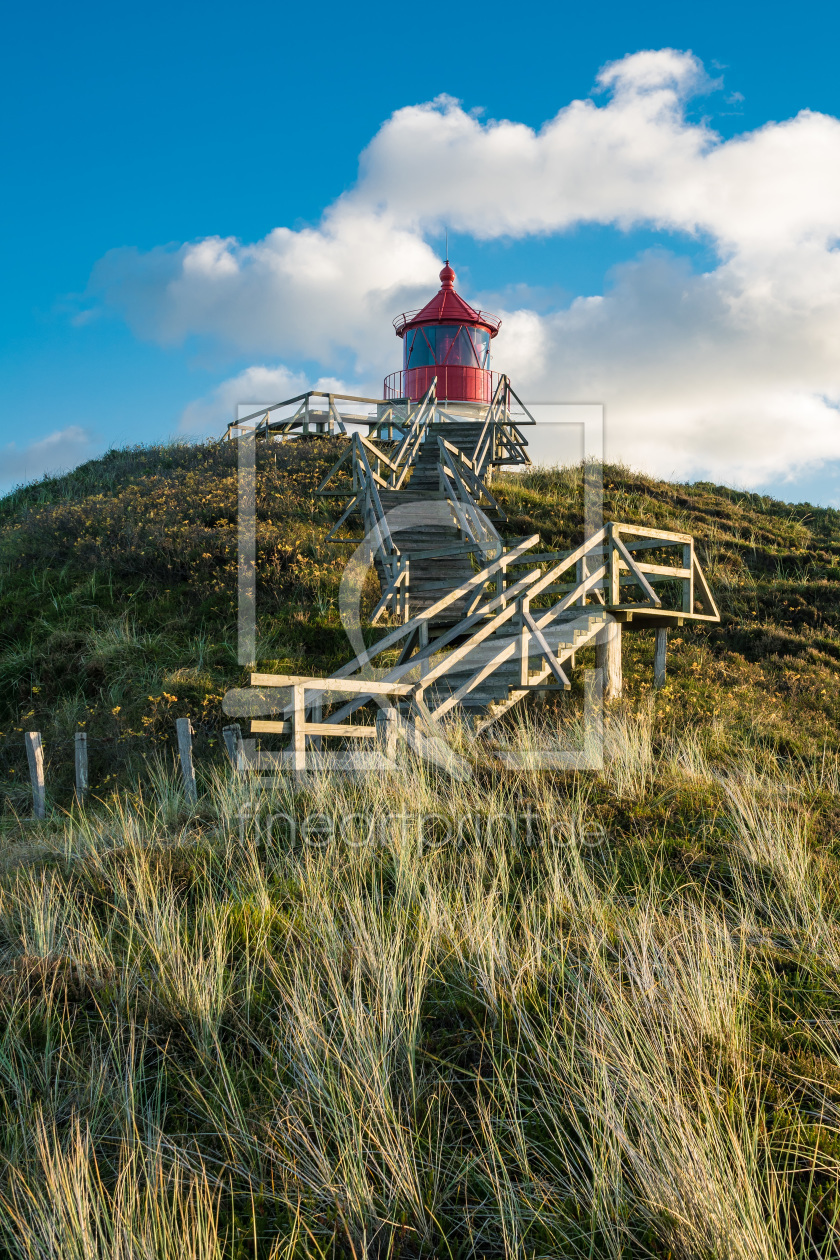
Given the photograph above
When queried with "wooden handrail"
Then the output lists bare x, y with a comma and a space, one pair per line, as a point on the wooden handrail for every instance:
468, 466
485, 535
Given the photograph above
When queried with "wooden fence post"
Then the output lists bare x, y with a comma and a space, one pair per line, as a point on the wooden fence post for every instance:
35, 757
608, 659
232, 736
387, 721
184, 730
660, 652
82, 780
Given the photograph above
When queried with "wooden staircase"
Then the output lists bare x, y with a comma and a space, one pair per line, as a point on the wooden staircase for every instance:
473, 635
506, 684
425, 474
512, 640
439, 459
437, 551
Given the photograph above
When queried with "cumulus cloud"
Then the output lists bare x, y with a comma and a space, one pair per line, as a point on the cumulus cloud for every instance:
259, 385
63, 449
255, 387
695, 383
733, 374
314, 293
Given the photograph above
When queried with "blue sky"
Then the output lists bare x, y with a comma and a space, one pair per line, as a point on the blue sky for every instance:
150, 128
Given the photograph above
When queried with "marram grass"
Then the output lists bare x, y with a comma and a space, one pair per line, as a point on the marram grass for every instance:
290, 1022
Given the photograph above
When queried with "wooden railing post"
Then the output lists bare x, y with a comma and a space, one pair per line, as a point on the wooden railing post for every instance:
184, 729
315, 742
35, 757
82, 781
608, 659
524, 644
613, 572
402, 591
298, 730
423, 642
688, 583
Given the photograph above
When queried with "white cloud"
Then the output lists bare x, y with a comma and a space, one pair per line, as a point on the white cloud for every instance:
695, 383
312, 293
63, 449
259, 385
733, 374
255, 387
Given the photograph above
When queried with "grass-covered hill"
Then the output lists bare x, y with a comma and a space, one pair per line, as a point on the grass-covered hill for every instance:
118, 614
518, 1014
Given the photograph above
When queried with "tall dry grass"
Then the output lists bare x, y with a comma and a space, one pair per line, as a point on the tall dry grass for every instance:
497, 1037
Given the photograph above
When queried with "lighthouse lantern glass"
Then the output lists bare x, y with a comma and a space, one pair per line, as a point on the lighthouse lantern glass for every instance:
481, 342
449, 344
419, 349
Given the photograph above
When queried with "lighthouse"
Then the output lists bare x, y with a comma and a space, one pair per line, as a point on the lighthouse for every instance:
448, 341
444, 390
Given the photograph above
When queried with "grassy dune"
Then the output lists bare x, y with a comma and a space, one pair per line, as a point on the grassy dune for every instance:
522, 1014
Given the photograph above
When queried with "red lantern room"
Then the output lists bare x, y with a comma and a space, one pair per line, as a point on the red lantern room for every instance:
447, 339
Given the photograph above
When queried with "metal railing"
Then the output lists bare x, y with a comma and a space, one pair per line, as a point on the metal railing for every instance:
458, 382
480, 317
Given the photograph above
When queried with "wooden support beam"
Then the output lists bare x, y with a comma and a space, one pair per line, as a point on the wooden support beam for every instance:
608, 659
35, 757
549, 657
660, 652
613, 583
411, 643
634, 568
184, 729
82, 779
710, 608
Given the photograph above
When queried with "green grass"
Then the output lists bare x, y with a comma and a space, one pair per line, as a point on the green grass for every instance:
589, 1014
118, 613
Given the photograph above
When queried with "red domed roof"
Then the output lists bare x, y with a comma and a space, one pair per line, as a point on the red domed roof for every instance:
446, 307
